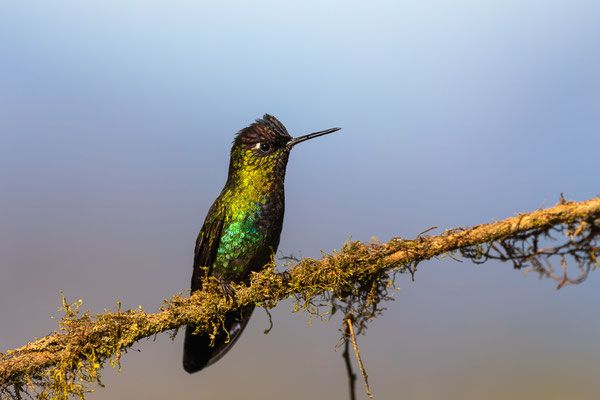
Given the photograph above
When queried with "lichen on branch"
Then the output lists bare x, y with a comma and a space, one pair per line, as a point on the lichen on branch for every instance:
357, 280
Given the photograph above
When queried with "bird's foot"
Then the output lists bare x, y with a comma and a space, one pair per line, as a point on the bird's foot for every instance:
286, 277
228, 292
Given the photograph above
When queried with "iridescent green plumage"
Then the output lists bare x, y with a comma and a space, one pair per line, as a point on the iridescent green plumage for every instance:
241, 230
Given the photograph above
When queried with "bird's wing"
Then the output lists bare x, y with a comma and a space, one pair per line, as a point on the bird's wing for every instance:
207, 245
200, 350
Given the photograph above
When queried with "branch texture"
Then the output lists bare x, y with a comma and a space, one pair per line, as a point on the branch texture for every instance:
355, 280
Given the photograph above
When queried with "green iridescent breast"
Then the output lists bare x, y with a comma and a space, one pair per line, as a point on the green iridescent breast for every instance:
244, 239
240, 237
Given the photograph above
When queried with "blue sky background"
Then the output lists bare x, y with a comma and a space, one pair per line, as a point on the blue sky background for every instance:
116, 121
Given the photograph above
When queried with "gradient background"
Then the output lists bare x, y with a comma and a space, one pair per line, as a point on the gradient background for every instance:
116, 120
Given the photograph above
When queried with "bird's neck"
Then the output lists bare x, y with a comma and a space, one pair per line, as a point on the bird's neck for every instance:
257, 182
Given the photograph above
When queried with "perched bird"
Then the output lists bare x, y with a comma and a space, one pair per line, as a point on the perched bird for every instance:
241, 230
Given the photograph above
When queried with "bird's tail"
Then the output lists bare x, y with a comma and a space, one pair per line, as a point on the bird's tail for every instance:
197, 351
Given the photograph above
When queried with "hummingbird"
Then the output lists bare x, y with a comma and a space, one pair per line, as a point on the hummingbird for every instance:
241, 231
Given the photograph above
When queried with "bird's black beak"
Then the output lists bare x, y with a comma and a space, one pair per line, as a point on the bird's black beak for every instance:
301, 139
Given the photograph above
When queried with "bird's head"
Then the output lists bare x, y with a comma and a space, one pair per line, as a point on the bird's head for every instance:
265, 146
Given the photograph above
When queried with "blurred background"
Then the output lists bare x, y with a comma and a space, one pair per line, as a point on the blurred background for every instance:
116, 121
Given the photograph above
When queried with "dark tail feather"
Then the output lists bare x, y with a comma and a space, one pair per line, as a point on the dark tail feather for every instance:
197, 351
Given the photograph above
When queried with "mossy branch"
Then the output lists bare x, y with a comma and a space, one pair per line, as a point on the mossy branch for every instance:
355, 279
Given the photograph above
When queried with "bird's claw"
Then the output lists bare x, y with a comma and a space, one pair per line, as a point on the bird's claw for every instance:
228, 292
286, 277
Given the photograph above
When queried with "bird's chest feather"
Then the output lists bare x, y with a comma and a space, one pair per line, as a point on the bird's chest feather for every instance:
250, 234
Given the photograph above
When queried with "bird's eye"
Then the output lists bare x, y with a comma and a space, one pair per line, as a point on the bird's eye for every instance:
265, 146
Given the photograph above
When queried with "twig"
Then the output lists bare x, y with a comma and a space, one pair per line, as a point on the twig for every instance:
425, 231
360, 363
351, 374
